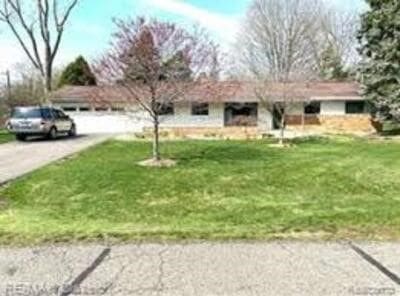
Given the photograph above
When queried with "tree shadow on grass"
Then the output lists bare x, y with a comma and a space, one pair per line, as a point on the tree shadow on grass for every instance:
222, 154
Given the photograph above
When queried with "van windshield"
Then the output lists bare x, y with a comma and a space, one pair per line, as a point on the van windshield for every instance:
26, 113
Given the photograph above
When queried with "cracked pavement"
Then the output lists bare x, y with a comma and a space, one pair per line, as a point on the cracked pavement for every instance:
276, 268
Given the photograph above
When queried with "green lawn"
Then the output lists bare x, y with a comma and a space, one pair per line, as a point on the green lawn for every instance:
5, 136
317, 189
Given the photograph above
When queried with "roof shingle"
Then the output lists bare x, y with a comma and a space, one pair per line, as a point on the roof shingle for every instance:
227, 91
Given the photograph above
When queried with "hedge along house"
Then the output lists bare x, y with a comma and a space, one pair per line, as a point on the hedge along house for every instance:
319, 106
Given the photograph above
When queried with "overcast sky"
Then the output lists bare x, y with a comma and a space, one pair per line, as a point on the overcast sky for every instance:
91, 24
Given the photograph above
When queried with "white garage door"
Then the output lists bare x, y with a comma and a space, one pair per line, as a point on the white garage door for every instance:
105, 123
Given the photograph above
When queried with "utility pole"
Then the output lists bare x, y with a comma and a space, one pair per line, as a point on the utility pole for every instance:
8, 83
3, 105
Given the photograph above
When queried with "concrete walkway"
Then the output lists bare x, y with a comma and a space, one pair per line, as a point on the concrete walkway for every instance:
17, 159
278, 268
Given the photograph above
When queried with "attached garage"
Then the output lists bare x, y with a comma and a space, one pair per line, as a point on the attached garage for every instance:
96, 113
97, 122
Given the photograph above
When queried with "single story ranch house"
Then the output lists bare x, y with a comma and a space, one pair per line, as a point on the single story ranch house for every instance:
326, 107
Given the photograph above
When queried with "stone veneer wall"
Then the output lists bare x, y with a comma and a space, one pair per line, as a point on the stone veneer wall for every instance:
334, 124
349, 123
234, 133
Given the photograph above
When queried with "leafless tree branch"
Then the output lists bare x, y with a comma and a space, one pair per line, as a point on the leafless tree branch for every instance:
24, 26
276, 51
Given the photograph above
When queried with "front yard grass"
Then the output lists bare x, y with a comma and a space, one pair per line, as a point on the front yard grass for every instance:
318, 189
5, 136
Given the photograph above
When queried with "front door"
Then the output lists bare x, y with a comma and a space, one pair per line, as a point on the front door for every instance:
277, 116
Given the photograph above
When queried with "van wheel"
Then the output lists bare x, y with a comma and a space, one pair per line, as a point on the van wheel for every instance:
52, 134
20, 137
72, 131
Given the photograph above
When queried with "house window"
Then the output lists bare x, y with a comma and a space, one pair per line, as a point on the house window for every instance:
201, 109
69, 109
241, 114
357, 107
84, 109
312, 108
117, 109
101, 109
165, 109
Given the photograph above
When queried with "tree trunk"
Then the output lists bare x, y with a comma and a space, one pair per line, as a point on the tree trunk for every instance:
156, 140
48, 86
48, 76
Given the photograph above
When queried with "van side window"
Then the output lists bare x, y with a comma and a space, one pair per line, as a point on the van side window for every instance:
57, 114
62, 114
46, 114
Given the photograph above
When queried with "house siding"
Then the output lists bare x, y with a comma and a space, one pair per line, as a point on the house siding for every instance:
295, 109
183, 117
333, 108
265, 121
332, 119
184, 124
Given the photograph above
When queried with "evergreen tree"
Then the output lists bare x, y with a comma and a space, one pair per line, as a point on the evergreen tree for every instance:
77, 73
379, 37
331, 66
178, 66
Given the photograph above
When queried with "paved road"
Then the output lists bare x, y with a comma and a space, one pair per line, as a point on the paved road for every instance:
203, 269
17, 159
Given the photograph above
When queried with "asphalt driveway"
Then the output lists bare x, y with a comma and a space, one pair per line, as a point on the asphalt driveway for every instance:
18, 159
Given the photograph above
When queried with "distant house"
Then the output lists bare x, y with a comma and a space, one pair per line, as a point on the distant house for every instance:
320, 106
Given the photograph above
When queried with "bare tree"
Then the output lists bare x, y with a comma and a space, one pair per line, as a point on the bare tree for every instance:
321, 26
33, 23
27, 87
279, 99
277, 53
335, 43
158, 64
339, 29
275, 39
